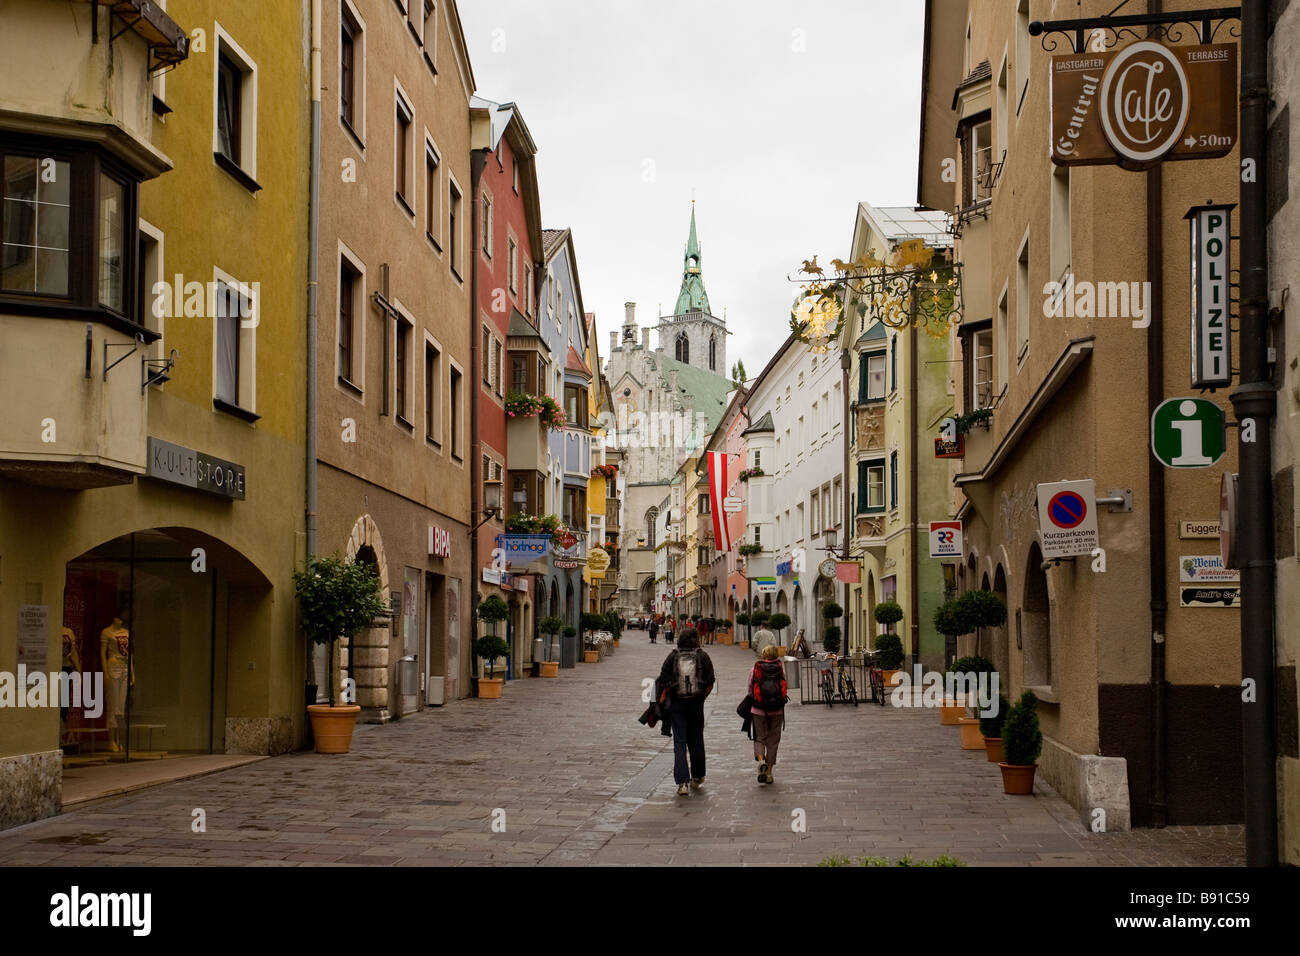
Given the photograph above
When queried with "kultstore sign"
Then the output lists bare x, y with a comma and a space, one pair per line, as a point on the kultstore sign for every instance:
1143, 104
183, 466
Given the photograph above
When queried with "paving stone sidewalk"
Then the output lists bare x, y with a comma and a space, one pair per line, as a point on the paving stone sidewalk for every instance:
578, 781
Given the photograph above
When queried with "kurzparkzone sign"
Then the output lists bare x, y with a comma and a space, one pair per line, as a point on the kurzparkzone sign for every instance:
1143, 104
1211, 295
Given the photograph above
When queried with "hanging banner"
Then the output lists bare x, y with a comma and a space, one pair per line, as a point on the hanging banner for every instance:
718, 499
523, 549
1143, 104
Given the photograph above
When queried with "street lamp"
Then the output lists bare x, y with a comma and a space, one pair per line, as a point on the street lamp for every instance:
491, 502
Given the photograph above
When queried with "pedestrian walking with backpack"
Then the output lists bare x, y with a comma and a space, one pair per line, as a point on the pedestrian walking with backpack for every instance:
687, 680
768, 688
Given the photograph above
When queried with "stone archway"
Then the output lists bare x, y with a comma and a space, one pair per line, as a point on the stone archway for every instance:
367, 662
365, 533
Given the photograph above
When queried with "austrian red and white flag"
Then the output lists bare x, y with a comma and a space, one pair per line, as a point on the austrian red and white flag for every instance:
717, 492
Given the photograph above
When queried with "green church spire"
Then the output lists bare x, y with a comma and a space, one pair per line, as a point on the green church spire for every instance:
692, 298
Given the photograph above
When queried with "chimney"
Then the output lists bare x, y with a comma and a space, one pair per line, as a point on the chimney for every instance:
645, 338
613, 341
629, 313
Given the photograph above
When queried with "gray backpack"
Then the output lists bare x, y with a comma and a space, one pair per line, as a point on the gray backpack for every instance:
687, 672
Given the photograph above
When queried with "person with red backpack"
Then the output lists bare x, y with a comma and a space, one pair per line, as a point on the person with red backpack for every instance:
768, 688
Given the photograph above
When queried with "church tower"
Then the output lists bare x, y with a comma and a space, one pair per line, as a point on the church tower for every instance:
692, 335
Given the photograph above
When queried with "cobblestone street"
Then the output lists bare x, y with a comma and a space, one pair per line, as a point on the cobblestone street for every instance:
581, 782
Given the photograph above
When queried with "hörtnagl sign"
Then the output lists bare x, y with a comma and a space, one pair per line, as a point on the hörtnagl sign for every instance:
1144, 103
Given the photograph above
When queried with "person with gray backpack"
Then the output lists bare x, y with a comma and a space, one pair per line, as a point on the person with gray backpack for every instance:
687, 680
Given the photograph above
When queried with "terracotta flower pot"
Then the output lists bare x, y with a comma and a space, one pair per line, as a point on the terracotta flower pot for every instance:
616, 643
726, 639
550, 668
993, 747
888, 677
971, 738
780, 650
591, 657
1018, 779
331, 727
950, 712
489, 688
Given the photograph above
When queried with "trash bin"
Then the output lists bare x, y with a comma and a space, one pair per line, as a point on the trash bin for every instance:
539, 649
408, 677
791, 665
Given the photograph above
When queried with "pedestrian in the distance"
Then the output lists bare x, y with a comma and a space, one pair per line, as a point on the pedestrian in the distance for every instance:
654, 630
768, 688
687, 680
763, 638
670, 625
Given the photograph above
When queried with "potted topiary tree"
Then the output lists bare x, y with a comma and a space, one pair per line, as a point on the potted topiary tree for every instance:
590, 654
889, 656
950, 621
336, 599
550, 626
830, 632
491, 611
991, 730
779, 622
1022, 742
888, 613
489, 647
981, 609
953, 712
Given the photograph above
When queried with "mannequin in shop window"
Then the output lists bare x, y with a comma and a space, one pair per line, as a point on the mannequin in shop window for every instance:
119, 670
71, 665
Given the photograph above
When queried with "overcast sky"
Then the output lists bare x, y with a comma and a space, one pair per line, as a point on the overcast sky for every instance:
778, 117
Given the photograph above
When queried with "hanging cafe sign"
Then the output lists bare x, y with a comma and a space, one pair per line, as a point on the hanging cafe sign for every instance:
916, 285
1144, 103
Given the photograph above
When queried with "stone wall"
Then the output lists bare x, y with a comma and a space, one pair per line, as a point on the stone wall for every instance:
31, 787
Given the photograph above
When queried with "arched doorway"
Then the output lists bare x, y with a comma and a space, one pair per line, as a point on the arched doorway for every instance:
1036, 623
999, 646
156, 612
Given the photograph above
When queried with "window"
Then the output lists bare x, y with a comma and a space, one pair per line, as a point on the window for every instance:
758, 458
528, 290
575, 405
651, 518
837, 501
758, 534
1004, 106
403, 350
456, 401
234, 134
432, 394
893, 479
487, 356
149, 272
518, 374
815, 513
1004, 341
713, 353
498, 363
977, 362
893, 364
429, 29
871, 486
112, 243
487, 226
431, 194
1023, 69
349, 284
575, 508
1060, 248
234, 327
350, 67
516, 176
977, 161
512, 264
1022, 300
36, 215
871, 377
453, 218
682, 348
402, 148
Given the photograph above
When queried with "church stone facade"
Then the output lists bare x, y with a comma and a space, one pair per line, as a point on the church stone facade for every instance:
667, 401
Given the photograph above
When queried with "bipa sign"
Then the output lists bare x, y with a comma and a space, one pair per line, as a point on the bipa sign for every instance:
1211, 295
945, 539
439, 542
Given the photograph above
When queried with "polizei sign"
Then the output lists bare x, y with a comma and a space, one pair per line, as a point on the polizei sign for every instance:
1211, 296
1145, 103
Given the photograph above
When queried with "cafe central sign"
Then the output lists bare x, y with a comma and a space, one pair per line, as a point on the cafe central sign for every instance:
194, 469
1144, 103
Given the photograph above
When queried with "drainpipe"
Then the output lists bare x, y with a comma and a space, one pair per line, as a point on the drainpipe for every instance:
478, 160
1255, 398
846, 363
912, 504
1156, 482
313, 272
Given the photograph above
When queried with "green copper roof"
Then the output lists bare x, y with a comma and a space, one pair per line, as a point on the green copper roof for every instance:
692, 298
707, 388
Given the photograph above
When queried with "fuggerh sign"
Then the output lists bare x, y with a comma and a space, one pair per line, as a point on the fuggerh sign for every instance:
1144, 103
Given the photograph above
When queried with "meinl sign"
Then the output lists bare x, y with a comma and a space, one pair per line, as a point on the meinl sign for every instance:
1211, 295
1143, 104
183, 466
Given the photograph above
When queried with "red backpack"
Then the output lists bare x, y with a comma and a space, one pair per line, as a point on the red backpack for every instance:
768, 685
